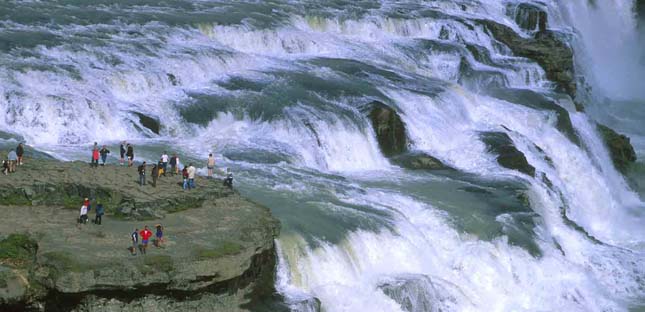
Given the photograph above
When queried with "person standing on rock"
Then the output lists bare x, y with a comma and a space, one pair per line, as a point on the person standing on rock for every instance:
142, 174
145, 236
210, 165
130, 154
13, 159
20, 151
135, 241
122, 153
104, 151
191, 176
99, 213
184, 175
155, 173
164, 162
82, 219
95, 156
158, 235
173, 164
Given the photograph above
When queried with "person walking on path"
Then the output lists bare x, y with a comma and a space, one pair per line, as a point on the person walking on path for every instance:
20, 151
99, 213
159, 235
210, 165
164, 162
173, 164
191, 176
122, 153
155, 173
135, 242
82, 219
142, 174
104, 151
130, 154
95, 156
184, 175
145, 236
13, 159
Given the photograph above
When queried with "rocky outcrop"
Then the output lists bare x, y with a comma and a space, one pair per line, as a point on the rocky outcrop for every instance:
546, 48
389, 129
530, 17
418, 161
508, 156
219, 252
150, 123
620, 149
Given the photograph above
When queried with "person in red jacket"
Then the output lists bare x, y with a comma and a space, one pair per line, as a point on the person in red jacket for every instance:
145, 236
95, 156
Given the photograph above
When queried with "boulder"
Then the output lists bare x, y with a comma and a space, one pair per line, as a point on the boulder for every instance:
418, 161
620, 149
150, 123
508, 156
552, 53
389, 129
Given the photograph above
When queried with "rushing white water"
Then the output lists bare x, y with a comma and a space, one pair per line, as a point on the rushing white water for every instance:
281, 91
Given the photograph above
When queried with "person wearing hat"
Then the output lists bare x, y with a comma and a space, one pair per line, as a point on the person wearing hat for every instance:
158, 235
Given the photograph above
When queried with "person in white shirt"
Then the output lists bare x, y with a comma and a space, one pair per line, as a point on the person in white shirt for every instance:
191, 176
83, 218
164, 162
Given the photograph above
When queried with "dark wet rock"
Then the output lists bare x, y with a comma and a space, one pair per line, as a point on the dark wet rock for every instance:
418, 161
620, 149
530, 17
423, 293
219, 252
173, 80
552, 53
508, 155
150, 123
639, 7
389, 129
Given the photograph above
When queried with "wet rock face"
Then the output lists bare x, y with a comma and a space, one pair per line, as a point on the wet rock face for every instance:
389, 129
530, 17
546, 48
620, 149
418, 161
151, 123
508, 156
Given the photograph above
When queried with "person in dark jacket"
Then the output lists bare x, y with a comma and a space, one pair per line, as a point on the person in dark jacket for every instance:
142, 174
155, 174
135, 242
104, 151
5, 167
173, 164
99, 214
20, 151
122, 153
130, 154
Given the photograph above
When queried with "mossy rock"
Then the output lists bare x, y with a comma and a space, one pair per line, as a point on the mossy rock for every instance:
161, 262
620, 148
18, 249
61, 261
225, 248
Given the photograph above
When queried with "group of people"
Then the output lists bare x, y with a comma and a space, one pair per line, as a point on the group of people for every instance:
145, 235
14, 159
86, 208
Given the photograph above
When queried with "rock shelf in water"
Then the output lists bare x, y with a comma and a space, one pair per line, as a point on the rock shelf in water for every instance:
219, 253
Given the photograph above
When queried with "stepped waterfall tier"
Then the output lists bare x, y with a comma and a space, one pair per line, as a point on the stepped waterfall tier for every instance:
440, 155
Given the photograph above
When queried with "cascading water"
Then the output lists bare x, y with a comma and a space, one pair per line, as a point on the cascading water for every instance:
281, 92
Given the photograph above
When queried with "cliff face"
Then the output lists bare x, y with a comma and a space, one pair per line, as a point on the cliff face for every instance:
219, 251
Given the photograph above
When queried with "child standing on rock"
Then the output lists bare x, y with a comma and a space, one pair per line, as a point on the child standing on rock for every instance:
159, 235
83, 217
135, 241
